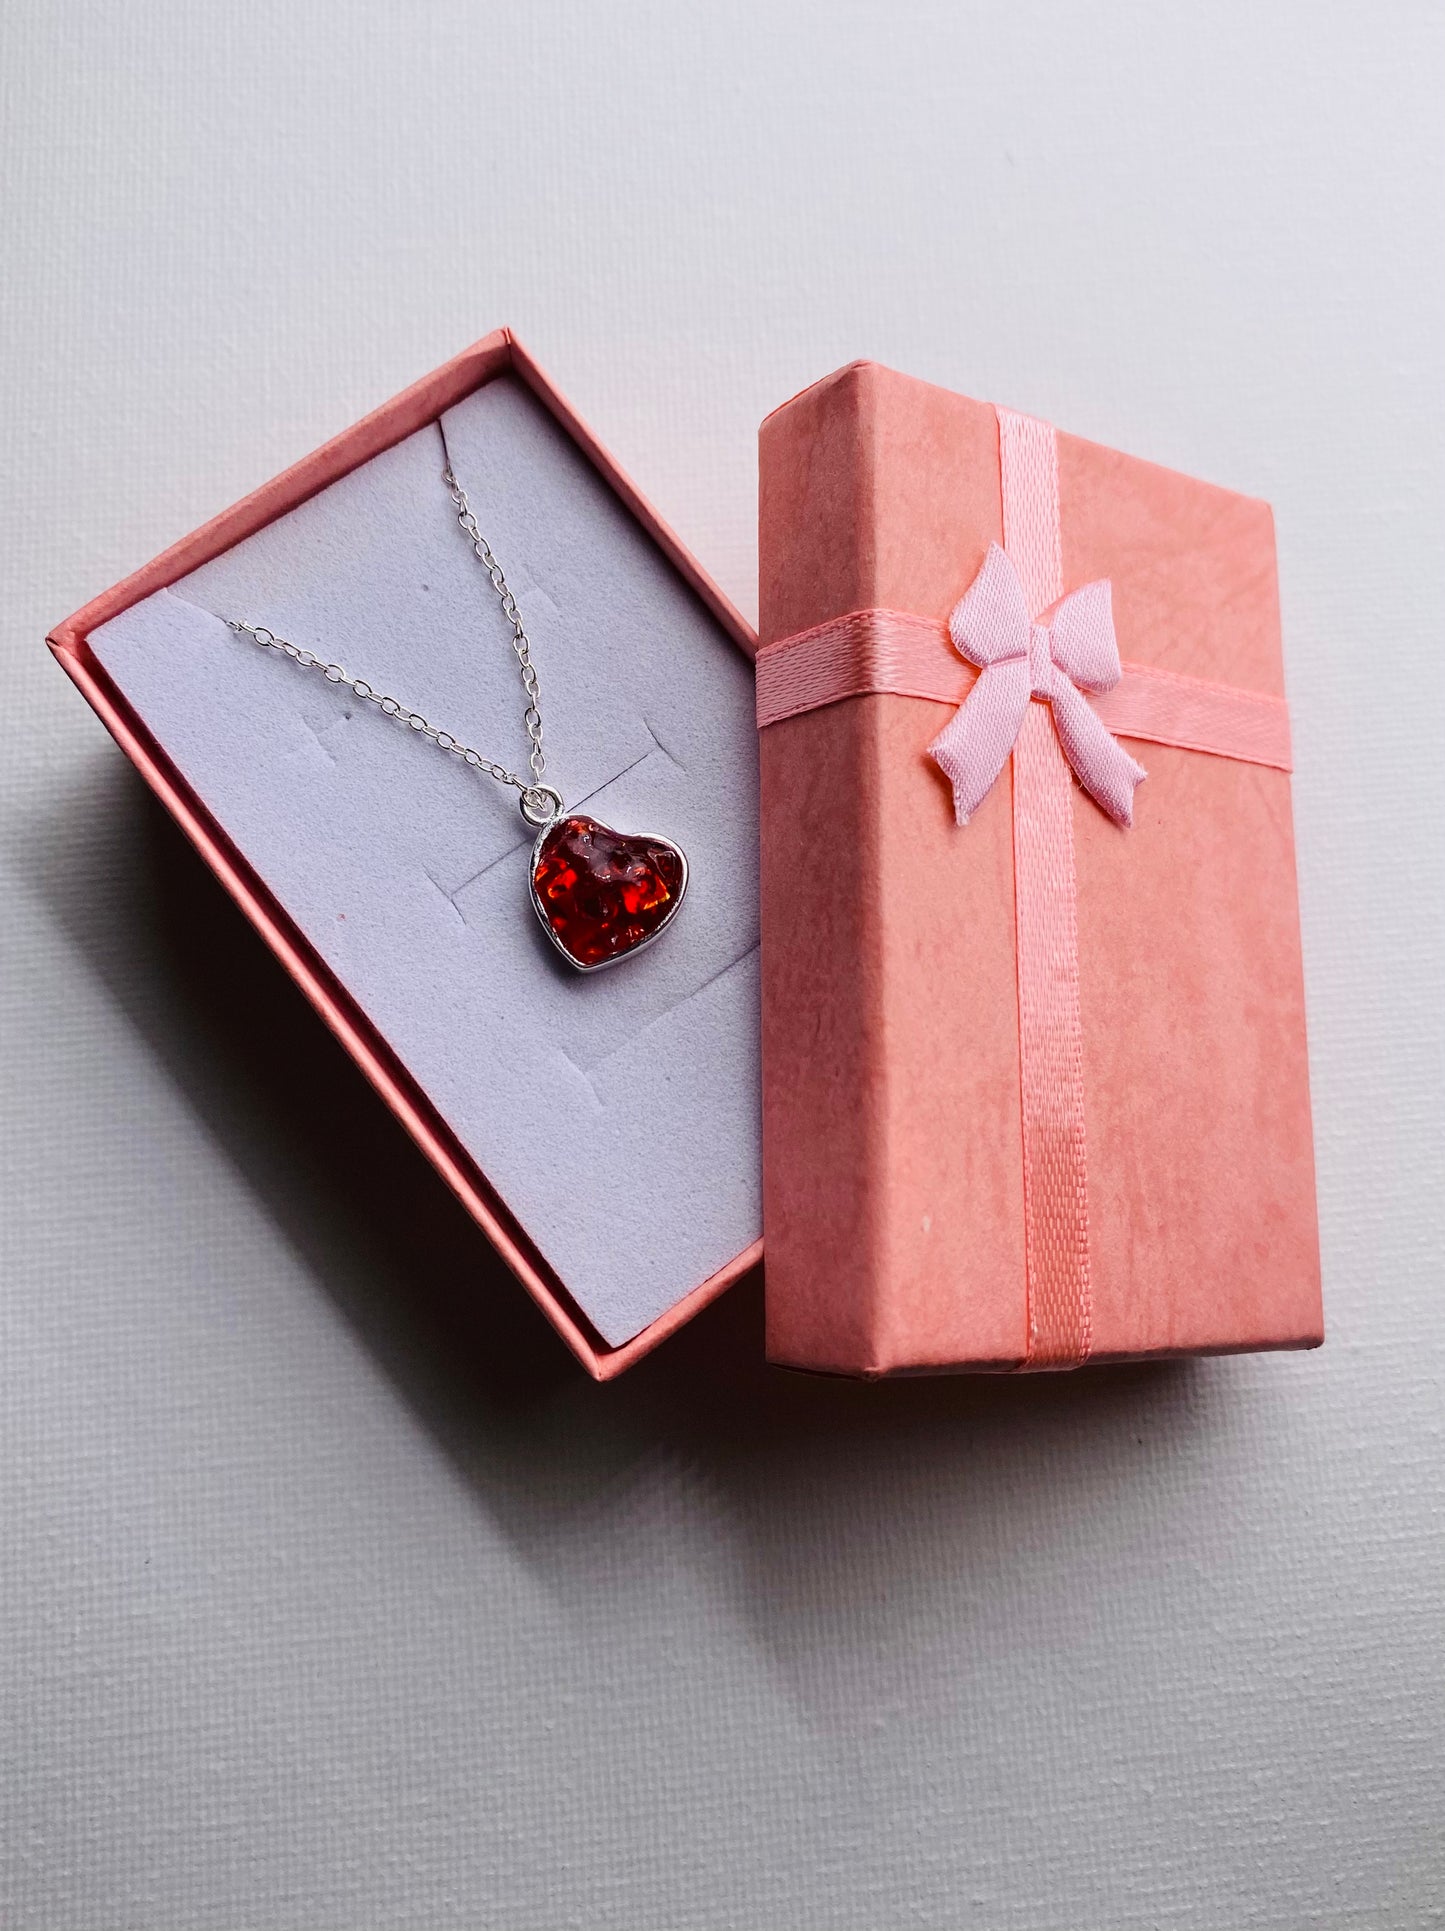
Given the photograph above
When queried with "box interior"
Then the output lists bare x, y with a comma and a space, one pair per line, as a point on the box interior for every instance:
616, 1113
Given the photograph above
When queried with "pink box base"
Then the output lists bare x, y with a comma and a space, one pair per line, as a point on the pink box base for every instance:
494, 355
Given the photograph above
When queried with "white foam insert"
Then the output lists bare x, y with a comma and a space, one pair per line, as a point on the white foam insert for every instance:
616, 1113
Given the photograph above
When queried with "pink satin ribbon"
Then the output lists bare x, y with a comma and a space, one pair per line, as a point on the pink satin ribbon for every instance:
904, 655
1014, 659
1046, 948
1019, 660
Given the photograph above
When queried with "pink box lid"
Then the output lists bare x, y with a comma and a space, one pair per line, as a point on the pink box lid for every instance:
894, 1202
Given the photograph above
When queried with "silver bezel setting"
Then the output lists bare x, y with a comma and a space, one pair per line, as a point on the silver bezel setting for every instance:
620, 958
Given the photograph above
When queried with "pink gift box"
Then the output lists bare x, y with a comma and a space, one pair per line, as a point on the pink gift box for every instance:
497, 354
1035, 1085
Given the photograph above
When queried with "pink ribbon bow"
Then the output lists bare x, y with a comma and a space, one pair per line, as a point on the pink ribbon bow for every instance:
1075, 651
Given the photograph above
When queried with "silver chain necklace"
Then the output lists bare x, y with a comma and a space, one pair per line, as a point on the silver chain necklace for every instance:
601, 894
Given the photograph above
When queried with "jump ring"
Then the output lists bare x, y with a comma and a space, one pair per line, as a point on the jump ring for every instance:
541, 805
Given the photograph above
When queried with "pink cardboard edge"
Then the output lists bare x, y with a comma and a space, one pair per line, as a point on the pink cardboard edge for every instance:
423, 402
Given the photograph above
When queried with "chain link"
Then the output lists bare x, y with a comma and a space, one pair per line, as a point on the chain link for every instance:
536, 797
392, 706
532, 716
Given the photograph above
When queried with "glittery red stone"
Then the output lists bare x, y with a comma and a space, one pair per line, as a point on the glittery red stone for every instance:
602, 893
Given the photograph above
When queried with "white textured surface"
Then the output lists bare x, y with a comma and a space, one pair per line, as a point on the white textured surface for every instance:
616, 1113
331, 1595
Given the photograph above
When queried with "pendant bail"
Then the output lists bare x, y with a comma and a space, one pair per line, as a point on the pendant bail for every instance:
541, 805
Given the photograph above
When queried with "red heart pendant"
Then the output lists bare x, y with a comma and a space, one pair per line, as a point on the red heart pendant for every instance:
602, 894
